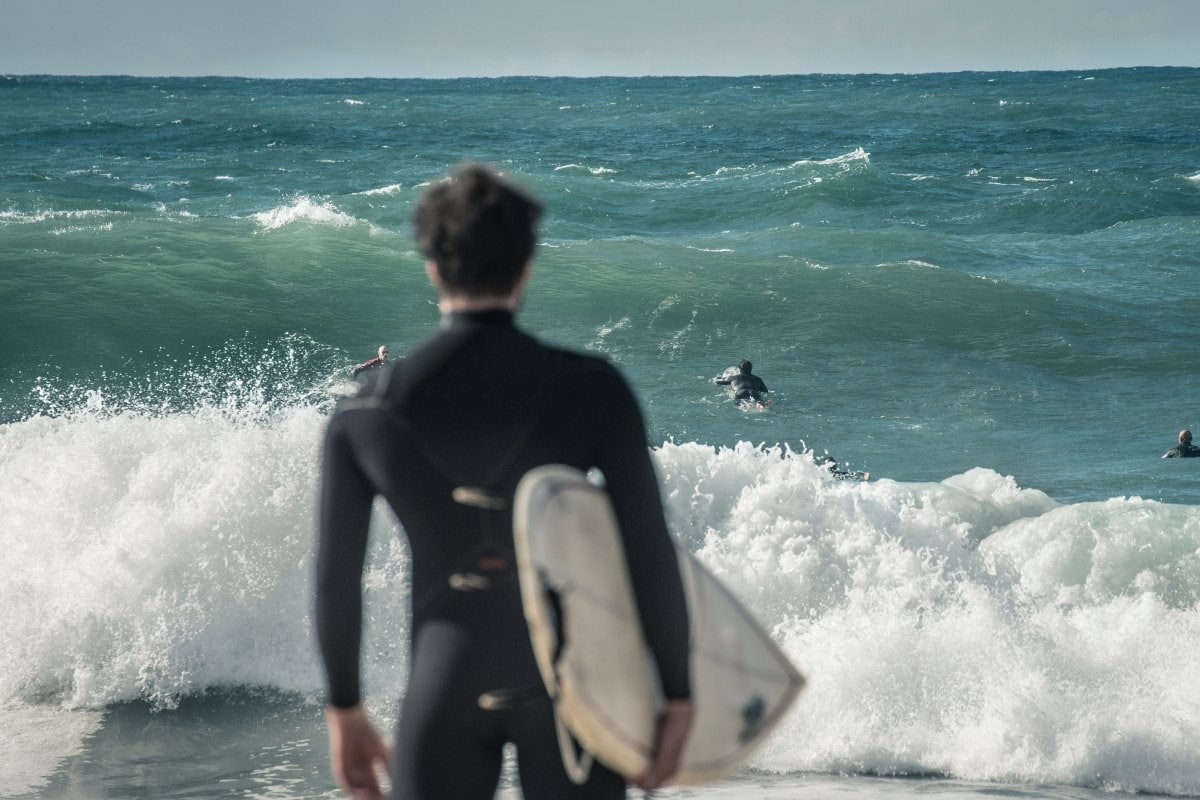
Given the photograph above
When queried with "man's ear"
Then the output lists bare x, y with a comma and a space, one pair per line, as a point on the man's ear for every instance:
434, 276
523, 279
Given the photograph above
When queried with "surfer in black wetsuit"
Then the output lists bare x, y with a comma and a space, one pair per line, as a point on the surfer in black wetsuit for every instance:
830, 463
444, 435
1185, 448
374, 363
747, 387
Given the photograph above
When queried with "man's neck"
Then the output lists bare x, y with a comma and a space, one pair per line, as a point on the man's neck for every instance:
449, 304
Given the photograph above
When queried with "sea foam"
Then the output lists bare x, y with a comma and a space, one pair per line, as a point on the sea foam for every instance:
969, 626
303, 209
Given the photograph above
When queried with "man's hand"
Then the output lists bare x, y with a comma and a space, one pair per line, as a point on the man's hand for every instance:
356, 752
673, 728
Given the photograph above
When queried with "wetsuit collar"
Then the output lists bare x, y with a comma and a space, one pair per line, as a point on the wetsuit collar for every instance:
488, 316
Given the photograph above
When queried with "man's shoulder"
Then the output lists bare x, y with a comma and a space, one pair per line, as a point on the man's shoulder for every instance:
1183, 451
579, 362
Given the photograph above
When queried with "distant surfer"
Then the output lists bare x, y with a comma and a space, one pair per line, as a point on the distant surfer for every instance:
747, 387
444, 436
375, 363
1185, 448
830, 463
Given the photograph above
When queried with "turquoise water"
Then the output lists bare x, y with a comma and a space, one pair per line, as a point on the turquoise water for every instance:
978, 287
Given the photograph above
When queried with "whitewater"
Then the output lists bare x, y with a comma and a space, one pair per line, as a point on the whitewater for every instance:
967, 627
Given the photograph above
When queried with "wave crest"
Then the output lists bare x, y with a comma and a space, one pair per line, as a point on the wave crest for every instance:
304, 209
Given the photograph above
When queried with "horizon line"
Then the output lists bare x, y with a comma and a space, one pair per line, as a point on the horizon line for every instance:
598, 76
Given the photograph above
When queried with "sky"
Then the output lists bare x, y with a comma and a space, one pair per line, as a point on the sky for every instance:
488, 38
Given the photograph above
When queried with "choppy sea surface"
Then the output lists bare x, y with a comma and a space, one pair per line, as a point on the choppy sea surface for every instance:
978, 287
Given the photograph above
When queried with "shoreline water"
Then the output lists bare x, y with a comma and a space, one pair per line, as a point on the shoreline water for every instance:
280, 751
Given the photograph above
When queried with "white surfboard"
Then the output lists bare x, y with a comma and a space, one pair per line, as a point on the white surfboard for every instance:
588, 640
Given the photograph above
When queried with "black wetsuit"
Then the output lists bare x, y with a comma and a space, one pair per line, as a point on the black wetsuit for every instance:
1183, 450
745, 386
474, 408
374, 363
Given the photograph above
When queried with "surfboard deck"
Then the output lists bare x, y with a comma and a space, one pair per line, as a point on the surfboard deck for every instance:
588, 640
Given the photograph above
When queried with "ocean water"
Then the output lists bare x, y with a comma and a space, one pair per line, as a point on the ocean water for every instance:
980, 288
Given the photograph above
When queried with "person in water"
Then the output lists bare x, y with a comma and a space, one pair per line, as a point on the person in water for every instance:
1185, 448
830, 463
444, 435
747, 387
374, 363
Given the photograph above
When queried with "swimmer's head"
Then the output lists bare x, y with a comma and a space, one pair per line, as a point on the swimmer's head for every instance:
1185, 436
479, 232
745, 366
383, 351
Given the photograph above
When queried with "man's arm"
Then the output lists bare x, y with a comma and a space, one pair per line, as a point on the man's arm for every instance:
356, 750
632, 485
344, 519
654, 571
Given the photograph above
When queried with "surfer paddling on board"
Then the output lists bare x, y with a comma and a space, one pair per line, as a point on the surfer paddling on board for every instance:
374, 363
444, 436
747, 387
828, 462
1185, 448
